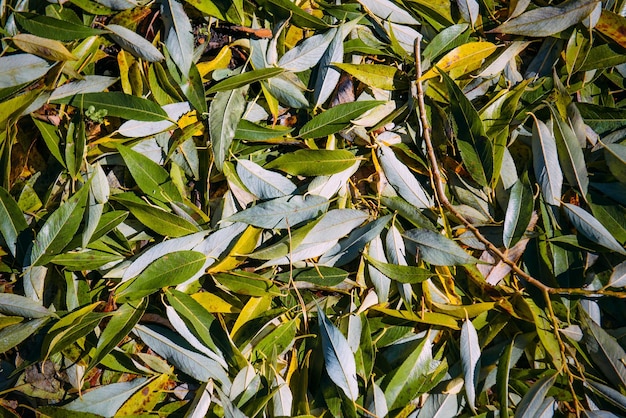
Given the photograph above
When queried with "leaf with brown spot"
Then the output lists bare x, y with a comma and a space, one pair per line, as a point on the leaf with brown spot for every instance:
613, 26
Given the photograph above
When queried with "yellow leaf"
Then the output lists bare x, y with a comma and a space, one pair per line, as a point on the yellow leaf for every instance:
45, 48
214, 303
124, 60
462, 59
253, 309
146, 399
246, 244
220, 61
613, 26
189, 119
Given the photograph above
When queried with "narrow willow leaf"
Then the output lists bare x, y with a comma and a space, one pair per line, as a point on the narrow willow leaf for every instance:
602, 119
446, 40
375, 401
173, 348
328, 186
169, 270
390, 11
440, 405
138, 129
336, 118
618, 277
12, 335
438, 250
151, 178
475, 148
12, 221
400, 273
179, 38
283, 212
339, 360
307, 54
201, 403
45, 48
310, 162
380, 76
462, 59
610, 394
351, 247
287, 9
242, 80
225, 113
327, 75
532, 401
89, 84
381, 282
283, 398
571, 155
287, 90
402, 180
134, 43
547, 21
411, 378
162, 222
17, 305
252, 132
18, 69
502, 378
543, 325
470, 359
469, 10
118, 104
616, 160
105, 400
59, 228
120, 324
264, 184
604, 351
518, 212
546, 163
591, 228
51, 28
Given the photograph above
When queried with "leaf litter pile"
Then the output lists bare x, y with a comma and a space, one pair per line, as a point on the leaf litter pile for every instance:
353, 208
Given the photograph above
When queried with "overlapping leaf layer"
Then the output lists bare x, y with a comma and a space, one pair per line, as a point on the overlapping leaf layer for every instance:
350, 208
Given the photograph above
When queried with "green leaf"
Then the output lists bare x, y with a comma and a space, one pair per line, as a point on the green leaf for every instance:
602, 119
571, 155
245, 283
321, 275
547, 21
310, 162
169, 270
402, 179
502, 378
225, 113
475, 148
307, 54
85, 260
518, 212
151, 178
249, 131
338, 358
438, 250
400, 273
604, 351
283, 212
546, 163
12, 222
179, 38
300, 18
335, 119
263, 183
245, 79
160, 221
616, 160
49, 27
377, 75
120, 324
447, 39
59, 229
591, 228
12, 335
531, 403
543, 325
118, 104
